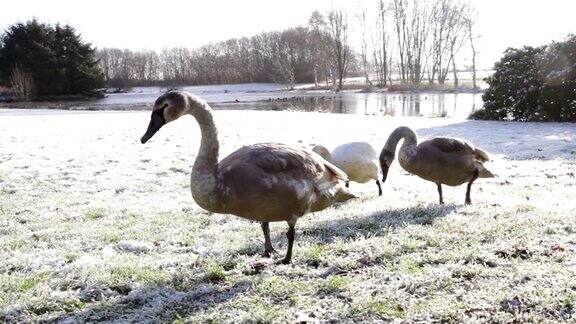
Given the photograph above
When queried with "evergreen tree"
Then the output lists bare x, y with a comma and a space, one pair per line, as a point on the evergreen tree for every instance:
79, 71
533, 84
55, 56
514, 86
26, 46
557, 68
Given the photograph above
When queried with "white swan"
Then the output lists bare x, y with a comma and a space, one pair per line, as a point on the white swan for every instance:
358, 159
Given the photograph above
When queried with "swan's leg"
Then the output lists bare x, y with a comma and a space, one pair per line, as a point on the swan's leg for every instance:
474, 177
379, 187
290, 235
440, 193
268, 248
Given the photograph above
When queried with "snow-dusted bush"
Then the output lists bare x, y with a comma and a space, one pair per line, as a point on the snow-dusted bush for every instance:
533, 84
557, 68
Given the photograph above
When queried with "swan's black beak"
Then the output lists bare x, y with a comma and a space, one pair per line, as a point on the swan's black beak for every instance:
384, 172
156, 122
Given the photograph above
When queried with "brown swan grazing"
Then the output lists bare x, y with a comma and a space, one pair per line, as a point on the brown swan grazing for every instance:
440, 160
262, 182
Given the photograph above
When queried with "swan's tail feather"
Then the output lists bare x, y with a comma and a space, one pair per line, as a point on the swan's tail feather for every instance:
343, 194
338, 174
481, 155
483, 172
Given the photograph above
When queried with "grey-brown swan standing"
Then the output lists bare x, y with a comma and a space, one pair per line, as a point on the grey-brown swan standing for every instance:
440, 160
263, 182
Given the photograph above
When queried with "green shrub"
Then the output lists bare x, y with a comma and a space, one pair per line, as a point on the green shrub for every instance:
533, 84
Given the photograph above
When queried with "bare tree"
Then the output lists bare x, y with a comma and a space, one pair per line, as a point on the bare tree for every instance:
382, 54
363, 45
399, 9
412, 29
458, 36
469, 21
441, 17
286, 56
316, 25
448, 33
418, 35
22, 84
338, 29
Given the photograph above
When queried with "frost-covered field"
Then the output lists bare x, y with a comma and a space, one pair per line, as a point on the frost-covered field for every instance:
95, 226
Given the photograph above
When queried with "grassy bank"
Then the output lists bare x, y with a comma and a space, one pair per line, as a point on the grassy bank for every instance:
97, 227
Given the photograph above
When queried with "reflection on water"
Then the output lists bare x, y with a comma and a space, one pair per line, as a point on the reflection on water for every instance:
268, 96
456, 105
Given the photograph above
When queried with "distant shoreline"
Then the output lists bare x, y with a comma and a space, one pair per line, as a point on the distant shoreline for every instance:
396, 88
299, 94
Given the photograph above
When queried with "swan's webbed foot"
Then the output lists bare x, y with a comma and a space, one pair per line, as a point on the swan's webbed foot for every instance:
290, 235
379, 187
440, 193
269, 252
283, 261
268, 248
468, 201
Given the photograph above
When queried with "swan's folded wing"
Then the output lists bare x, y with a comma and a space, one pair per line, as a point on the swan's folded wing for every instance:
294, 162
276, 160
281, 159
451, 145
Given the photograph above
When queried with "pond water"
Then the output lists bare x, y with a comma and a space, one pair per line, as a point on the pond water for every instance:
453, 105
275, 97
210, 93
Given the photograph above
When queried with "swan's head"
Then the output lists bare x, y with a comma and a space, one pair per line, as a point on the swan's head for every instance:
322, 151
168, 107
386, 158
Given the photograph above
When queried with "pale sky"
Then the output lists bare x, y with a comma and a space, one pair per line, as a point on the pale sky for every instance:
167, 23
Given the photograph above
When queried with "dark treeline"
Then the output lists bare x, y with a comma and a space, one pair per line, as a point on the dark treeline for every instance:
39, 60
290, 56
406, 41
401, 41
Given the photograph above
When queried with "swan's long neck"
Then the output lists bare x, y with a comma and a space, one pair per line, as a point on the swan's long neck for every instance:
409, 141
204, 179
